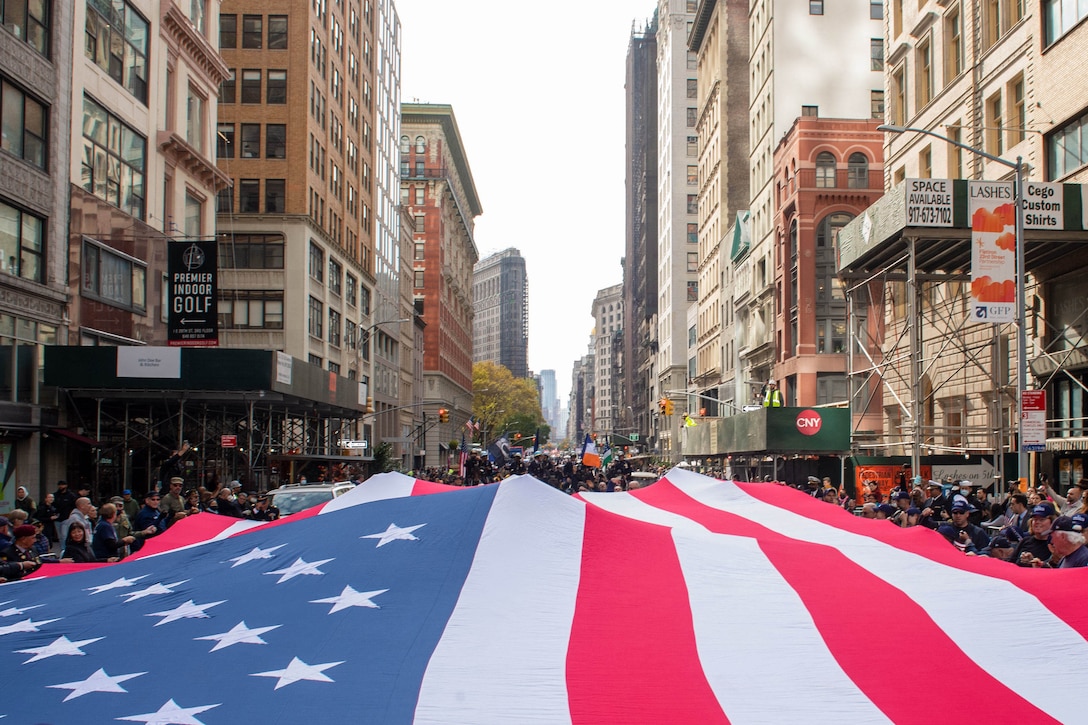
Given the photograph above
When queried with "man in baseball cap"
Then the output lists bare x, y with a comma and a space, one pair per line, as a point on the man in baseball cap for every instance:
1067, 541
1033, 550
20, 558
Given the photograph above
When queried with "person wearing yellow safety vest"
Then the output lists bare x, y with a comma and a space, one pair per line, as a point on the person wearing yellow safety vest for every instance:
772, 396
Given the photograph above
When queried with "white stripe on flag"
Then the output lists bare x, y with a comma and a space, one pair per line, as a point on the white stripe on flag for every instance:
939, 590
376, 488
503, 655
739, 602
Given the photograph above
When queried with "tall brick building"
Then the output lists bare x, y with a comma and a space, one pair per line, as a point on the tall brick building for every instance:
438, 192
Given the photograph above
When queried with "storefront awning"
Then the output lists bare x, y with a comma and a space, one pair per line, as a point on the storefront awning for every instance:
72, 435
1073, 443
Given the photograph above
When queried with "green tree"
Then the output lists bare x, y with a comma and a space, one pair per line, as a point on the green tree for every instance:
501, 402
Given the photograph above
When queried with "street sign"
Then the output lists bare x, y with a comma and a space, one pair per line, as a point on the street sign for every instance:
193, 317
633, 437
228, 441
354, 444
1033, 421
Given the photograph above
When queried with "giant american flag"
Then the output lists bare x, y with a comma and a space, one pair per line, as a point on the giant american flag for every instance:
690, 601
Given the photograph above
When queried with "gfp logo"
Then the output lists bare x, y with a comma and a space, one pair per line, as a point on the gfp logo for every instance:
809, 422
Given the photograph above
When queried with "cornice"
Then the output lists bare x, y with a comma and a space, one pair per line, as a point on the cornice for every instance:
206, 59
178, 150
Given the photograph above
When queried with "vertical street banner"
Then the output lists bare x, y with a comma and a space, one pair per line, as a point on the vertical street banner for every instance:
193, 319
992, 208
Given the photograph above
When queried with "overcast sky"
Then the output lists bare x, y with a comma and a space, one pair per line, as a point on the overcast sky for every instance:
538, 92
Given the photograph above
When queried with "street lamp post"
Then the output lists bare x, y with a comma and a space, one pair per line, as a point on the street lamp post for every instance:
1021, 295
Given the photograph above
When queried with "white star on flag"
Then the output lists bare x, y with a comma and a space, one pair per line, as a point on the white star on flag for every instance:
239, 634
27, 625
299, 670
299, 568
98, 682
189, 610
254, 554
15, 611
171, 714
350, 598
59, 646
152, 590
395, 533
115, 584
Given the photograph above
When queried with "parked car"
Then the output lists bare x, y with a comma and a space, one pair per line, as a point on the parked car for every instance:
295, 497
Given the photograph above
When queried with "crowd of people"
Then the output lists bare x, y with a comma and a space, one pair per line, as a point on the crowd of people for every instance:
566, 474
1034, 528
67, 527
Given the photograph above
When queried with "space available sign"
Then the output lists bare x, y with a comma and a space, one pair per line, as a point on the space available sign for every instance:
191, 294
992, 207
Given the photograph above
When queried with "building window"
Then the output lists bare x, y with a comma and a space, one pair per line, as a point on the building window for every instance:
693, 175
857, 171
693, 146
1059, 17
194, 215
194, 120
117, 42
251, 86
364, 299
277, 32
815, 7
196, 14
251, 251
29, 21
252, 31
350, 285
275, 140
224, 141
693, 261
317, 263
23, 125
419, 194
316, 318
876, 9
876, 104
419, 253
876, 54
249, 196
693, 233
825, 170
693, 87
925, 163
251, 141
1017, 112
1067, 148
227, 88
113, 278
113, 160
224, 201
955, 153
335, 276
923, 61
275, 195
693, 203
417, 279
228, 31
22, 243
421, 144
692, 117
810, 111
953, 44
899, 95
251, 309
995, 121
277, 86
334, 327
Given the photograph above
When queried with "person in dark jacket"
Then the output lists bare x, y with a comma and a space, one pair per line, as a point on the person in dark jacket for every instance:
225, 504
20, 558
106, 545
76, 550
65, 500
47, 514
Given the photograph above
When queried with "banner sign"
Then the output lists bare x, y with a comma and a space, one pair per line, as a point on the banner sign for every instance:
138, 361
1043, 206
929, 203
193, 318
992, 209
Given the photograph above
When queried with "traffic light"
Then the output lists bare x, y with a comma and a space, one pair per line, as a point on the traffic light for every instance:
443, 415
661, 406
517, 436
668, 407
369, 404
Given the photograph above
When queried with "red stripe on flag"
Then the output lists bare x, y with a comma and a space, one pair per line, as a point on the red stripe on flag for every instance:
613, 676
899, 649
1059, 591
